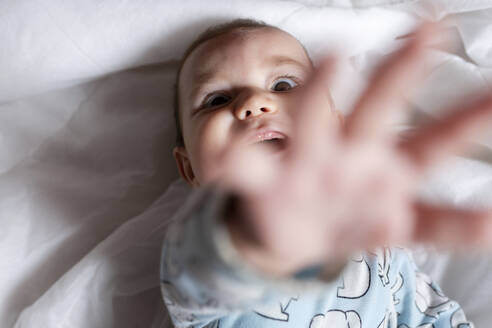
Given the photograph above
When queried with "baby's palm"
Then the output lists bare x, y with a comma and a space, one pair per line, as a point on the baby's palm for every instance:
342, 189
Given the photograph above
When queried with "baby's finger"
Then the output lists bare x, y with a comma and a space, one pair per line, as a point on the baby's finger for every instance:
449, 135
313, 122
450, 227
400, 74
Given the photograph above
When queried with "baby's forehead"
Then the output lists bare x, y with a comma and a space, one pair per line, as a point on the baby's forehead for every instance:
241, 45
238, 49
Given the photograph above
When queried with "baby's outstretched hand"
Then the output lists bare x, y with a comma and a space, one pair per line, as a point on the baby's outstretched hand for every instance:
342, 188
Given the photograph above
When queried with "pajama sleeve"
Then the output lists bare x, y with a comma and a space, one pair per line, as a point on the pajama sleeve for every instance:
419, 302
202, 277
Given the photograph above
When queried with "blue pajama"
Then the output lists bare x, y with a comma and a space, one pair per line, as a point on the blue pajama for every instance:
205, 284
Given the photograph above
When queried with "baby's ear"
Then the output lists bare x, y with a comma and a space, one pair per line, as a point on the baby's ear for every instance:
184, 165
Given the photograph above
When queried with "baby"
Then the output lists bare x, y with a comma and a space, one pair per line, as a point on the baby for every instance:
288, 192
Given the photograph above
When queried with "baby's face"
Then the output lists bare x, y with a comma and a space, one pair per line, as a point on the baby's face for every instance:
238, 83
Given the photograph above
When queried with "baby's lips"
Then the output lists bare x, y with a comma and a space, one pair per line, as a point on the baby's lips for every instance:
265, 134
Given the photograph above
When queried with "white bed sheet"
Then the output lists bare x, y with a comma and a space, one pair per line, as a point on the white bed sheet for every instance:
86, 132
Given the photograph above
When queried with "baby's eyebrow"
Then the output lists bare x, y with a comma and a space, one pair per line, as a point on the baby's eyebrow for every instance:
204, 77
200, 80
283, 60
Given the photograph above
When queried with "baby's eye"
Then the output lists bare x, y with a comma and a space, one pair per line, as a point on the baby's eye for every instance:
284, 84
217, 100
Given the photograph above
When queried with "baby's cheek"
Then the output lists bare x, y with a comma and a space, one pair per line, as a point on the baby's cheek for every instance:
212, 141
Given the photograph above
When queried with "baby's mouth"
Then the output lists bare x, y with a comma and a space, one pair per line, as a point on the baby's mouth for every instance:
272, 140
273, 145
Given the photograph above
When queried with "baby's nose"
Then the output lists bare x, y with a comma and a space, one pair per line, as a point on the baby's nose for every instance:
254, 104
245, 113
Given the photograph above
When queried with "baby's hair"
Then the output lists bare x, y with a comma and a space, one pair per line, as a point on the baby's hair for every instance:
241, 25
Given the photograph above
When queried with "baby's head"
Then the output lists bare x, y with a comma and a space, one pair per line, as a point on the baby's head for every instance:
239, 77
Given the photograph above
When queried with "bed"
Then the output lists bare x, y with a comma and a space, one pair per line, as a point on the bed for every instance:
87, 180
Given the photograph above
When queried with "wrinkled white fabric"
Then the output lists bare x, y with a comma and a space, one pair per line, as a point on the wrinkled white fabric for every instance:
86, 132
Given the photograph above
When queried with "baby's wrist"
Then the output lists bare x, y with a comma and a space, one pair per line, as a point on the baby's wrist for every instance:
257, 257
252, 250
272, 265
246, 244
